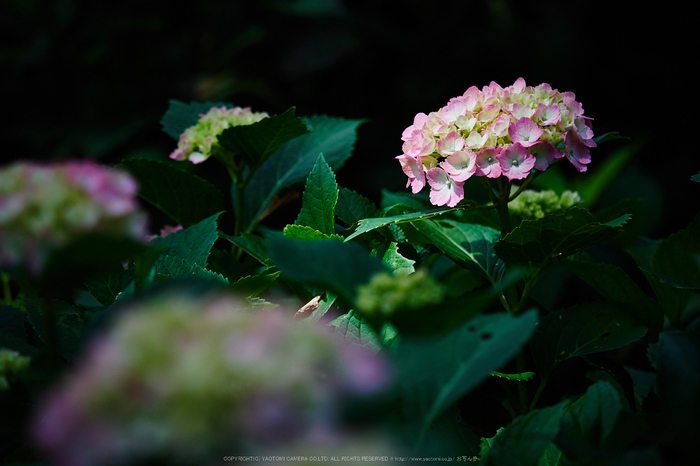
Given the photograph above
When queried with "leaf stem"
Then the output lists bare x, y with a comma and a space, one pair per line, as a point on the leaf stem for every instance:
7, 293
540, 389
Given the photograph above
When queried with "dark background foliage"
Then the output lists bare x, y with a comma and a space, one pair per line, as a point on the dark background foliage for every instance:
92, 79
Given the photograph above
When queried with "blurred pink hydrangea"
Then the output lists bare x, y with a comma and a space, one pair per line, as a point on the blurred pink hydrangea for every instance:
43, 207
195, 379
197, 141
494, 132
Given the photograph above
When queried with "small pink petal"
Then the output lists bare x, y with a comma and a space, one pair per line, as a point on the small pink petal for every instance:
525, 131
444, 190
516, 162
576, 151
460, 165
487, 163
544, 153
450, 143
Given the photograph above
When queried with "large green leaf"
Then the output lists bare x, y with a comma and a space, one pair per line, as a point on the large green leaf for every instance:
525, 440
615, 285
184, 197
353, 328
583, 329
535, 242
302, 232
677, 258
592, 417
258, 141
292, 162
470, 245
353, 207
175, 268
436, 371
369, 224
191, 244
676, 358
330, 264
181, 116
320, 198
253, 245
397, 263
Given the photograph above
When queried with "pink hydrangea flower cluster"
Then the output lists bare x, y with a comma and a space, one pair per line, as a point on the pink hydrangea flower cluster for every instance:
197, 141
184, 377
494, 132
43, 207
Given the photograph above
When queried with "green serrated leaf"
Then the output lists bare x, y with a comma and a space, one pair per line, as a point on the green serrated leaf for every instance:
182, 196
470, 245
435, 372
258, 141
696, 178
521, 377
353, 207
304, 232
253, 245
369, 224
253, 285
324, 263
181, 116
169, 267
355, 329
615, 285
673, 258
395, 262
554, 236
293, 161
583, 329
320, 198
676, 358
526, 439
67, 328
588, 422
106, 287
191, 244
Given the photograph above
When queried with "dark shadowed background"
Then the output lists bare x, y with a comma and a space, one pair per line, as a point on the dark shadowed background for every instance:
92, 79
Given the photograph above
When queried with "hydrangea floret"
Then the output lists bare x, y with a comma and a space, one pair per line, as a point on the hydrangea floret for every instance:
532, 205
197, 142
228, 380
11, 364
494, 132
43, 207
386, 293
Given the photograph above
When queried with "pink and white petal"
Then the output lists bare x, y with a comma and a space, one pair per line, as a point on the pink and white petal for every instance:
414, 171
460, 166
516, 162
197, 157
525, 131
576, 151
548, 114
450, 143
584, 130
521, 111
519, 85
487, 163
456, 193
544, 154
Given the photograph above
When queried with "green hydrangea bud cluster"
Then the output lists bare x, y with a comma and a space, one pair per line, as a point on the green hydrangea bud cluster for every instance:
185, 378
43, 207
197, 141
11, 363
386, 293
532, 205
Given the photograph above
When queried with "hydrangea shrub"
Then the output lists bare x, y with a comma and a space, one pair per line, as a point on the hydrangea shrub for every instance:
183, 377
494, 132
43, 207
